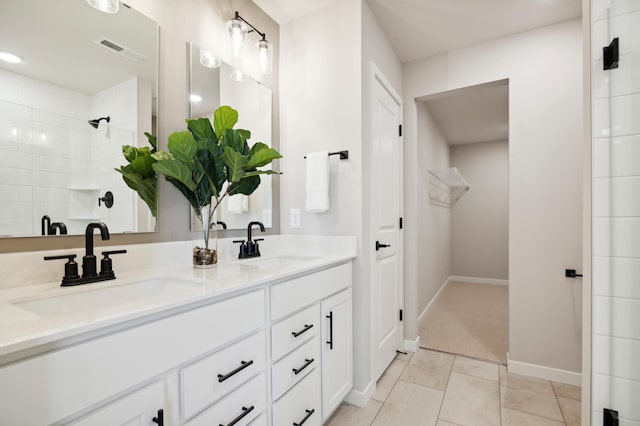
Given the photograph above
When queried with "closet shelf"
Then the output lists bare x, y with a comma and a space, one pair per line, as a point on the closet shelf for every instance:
446, 186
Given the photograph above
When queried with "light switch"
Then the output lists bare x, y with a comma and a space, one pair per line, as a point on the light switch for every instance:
266, 217
295, 218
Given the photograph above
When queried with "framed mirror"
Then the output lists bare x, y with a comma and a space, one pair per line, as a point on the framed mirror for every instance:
82, 84
214, 83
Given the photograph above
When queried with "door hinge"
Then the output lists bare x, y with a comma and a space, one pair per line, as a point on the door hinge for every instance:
611, 55
400, 314
400, 223
400, 128
610, 417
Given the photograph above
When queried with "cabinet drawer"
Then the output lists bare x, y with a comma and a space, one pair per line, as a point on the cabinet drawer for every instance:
290, 333
301, 401
261, 420
142, 406
303, 360
208, 380
245, 404
125, 359
292, 295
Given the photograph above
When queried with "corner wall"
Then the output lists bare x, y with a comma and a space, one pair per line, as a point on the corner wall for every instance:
544, 68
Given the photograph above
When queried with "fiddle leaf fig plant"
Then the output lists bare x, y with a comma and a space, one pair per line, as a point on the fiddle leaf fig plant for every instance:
201, 160
139, 174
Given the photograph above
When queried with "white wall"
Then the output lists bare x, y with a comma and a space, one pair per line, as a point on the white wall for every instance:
544, 71
480, 219
433, 225
616, 216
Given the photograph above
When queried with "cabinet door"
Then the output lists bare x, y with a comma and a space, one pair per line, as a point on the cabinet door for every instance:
141, 408
337, 358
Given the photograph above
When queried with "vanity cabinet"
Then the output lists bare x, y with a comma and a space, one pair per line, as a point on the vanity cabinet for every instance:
258, 358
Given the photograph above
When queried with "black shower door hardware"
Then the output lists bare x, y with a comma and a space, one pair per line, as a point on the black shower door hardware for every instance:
107, 199
379, 245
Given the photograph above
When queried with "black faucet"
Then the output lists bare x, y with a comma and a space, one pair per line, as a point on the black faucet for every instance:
250, 248
89, 260
45, 225
221, 223
89, 272
58, 226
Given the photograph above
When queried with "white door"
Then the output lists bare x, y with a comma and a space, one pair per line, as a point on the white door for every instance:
386, 238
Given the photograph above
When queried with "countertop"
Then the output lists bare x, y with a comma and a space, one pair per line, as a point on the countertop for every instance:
85, 310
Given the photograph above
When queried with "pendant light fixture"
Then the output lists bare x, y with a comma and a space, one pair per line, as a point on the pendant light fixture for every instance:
238, 30
106, 6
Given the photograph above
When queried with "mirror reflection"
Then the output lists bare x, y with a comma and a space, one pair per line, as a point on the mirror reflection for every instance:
81, 84
215, 83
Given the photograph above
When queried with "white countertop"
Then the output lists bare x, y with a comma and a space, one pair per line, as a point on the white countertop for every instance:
21, 329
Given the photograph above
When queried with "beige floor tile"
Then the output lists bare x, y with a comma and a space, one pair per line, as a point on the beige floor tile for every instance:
350, 415
528, 394
567, 391
388, 380
473, 367
518, 418
429, 368
404, 357
570, 410
409, 404
445, 423
472, 401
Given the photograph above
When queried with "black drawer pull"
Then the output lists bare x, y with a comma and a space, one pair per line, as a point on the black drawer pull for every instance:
307, 362
307, 327
245, 411
159, 419
309, 413
330, 341
244, 364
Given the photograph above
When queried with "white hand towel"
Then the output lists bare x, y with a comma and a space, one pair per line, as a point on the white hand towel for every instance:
318, 182
238, 204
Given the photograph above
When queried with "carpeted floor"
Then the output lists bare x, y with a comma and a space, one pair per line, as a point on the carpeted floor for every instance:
468, 319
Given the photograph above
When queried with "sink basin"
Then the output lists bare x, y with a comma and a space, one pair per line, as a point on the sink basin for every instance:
280, 261
90, 299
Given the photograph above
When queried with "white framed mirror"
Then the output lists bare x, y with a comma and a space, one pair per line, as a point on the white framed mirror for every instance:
214, 83
85, 85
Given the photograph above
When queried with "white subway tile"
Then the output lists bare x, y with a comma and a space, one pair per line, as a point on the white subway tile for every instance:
600, 81
616, 197
625, 27
616, 277
601, 157
601, 118
600, 37
616, 356
616, 237
620, 7
618, 317
624, 113
625, 152
601, 201
616, 392
601, 237
624, 79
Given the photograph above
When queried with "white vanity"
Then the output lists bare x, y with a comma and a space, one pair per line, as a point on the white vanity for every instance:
261, 342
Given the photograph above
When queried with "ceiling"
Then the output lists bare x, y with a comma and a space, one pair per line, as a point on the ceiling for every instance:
473, 114
421, 28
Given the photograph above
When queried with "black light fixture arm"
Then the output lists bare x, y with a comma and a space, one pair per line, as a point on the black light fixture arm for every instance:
240, 18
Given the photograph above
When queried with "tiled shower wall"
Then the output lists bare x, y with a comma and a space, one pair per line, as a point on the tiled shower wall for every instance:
616, 213
48, 159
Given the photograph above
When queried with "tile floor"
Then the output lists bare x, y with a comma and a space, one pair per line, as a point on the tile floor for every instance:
439, 389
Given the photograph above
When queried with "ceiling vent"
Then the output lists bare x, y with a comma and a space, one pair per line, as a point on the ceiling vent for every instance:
130, 54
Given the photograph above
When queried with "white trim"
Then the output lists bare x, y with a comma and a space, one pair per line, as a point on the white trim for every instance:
542, 372
424, 311
360, 399
411, 345
474, 280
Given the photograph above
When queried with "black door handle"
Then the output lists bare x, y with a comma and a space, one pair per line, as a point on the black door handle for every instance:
307, 362
379, 246
330, 341
243, 365
307, 327
306, 417
159, 419
245, 411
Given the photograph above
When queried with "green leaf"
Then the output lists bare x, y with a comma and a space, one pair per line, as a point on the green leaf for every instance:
162, 155
129, 152
235, 163
261, 156
146, 188
182, 146
261, 172
153, 141
177, 171
246, 186
188, 193
201, 129
235, 139
224, 118
143, 164
204, 169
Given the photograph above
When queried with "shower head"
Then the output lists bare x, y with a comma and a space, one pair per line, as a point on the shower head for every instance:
96, 122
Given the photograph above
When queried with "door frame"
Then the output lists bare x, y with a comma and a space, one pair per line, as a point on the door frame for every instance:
377, 77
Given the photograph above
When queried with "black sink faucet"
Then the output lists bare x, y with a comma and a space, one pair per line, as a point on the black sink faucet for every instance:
251, 225
89, 260
250, 248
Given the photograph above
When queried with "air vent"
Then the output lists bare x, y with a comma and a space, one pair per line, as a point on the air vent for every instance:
130, 54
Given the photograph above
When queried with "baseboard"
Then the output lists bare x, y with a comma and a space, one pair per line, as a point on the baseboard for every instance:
474, 280
424, 311
411, 345
541, 372
360, 398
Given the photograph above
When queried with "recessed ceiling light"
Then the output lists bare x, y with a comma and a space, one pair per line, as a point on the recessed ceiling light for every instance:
195, 98
10, 57
106, 6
